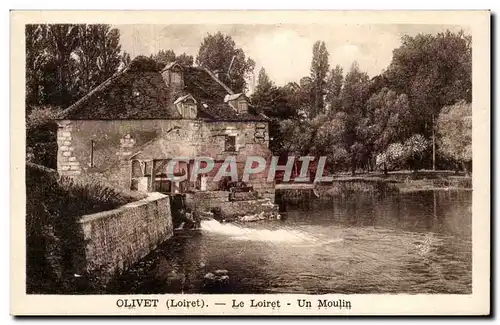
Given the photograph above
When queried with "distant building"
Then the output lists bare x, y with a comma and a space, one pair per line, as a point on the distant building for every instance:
126, 130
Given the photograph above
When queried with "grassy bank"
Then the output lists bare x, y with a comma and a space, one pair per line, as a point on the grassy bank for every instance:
54, 240
375, 184
450, 183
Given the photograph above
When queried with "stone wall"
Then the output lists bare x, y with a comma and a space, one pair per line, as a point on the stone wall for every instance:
117, 239
101, 149
205, 201
235, 209
67, 163
230, 210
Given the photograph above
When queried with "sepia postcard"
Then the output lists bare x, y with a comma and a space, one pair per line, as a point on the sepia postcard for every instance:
250, 163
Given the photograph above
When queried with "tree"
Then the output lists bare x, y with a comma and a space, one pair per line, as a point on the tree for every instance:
415, 147
219, 52
36, 57
164, 56
454, 128
334, 88
41, 137
434, 71
109, 47
98, 55
185, 59
62, 41
402, 154
125, 61
167, 56
387, 120
353, 97
301, 137
264, 84
268, 97
319, 73
65, 61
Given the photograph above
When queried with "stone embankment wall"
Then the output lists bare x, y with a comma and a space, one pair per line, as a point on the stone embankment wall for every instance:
205, 201
116, 239
219, 200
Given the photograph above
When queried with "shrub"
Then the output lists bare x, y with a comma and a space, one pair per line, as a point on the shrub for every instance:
41, 137
54, 239
406, 154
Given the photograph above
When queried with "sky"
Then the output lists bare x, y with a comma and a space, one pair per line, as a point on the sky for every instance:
285, 51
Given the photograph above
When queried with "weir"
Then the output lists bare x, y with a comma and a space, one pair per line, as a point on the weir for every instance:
281, 235
227, 206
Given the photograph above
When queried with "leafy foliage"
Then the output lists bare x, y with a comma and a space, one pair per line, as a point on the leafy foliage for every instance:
408, 153
386, 119
434, 71
333, 89
167, 56
66, 61
219, 52
54, 240
454, 127
319, 73
145, 64
264, 84
41, 136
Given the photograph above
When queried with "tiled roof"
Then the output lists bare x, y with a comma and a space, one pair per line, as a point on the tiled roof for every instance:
127, 95
133, 94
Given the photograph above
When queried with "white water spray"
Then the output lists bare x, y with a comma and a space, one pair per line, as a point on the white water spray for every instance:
277, 236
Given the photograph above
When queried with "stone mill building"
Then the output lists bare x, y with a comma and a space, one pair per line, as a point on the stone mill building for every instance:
126, 130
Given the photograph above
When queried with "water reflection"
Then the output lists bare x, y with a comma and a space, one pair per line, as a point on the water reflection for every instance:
411, 243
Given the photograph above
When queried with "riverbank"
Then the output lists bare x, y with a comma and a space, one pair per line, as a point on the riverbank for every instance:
403, 243
80, 234
448, 184
375, 184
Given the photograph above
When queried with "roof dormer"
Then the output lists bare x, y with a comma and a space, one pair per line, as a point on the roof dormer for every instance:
186, 106
239, 102
173, 74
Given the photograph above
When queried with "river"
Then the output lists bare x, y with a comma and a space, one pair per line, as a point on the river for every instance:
408, 243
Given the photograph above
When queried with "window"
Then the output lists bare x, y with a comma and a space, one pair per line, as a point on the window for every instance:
137, 169
175, 78
230, 143
189, 109
242, 106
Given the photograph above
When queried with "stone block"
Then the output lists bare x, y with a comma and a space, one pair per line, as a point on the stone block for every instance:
71, 149
73, 163
63, 148
64, 167
66, 153
65, 134
67, 143
74, 167
72, 159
